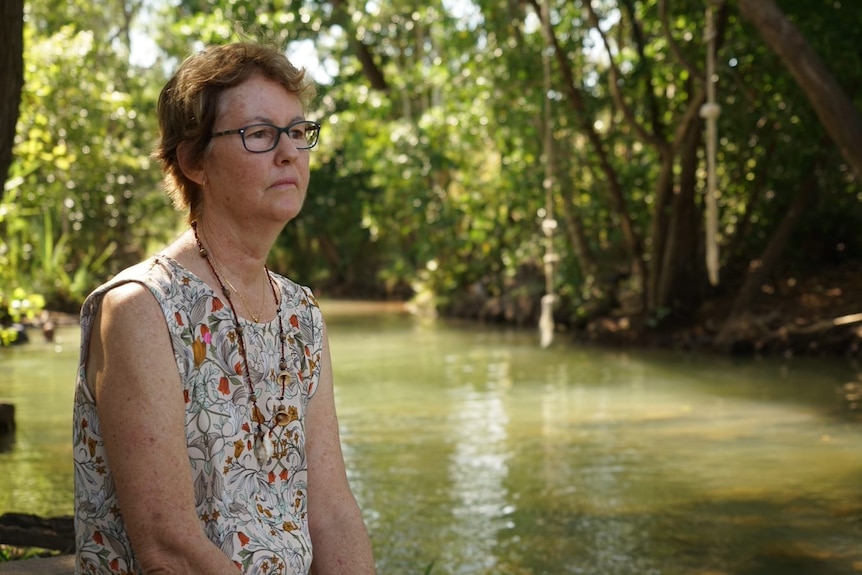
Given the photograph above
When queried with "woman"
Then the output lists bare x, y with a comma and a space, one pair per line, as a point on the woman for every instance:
206, 438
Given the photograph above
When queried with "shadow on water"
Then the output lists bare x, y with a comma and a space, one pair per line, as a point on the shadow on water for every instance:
726, 537
764, 537
790, 562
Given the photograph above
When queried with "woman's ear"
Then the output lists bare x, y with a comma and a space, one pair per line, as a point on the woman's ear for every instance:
193, 171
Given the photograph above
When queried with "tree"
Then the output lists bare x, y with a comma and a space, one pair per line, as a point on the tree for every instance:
11, 76
81, 175
840, 119
430, 172
834, 109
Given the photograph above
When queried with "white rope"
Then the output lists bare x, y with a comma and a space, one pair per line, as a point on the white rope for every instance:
710, 112
549, 300
549, 224
546, 320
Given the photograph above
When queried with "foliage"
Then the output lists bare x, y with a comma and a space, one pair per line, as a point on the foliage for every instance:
82, 179
16, 306
431, 172
20, 305
13, 553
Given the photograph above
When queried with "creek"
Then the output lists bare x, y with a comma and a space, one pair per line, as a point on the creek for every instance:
470, 447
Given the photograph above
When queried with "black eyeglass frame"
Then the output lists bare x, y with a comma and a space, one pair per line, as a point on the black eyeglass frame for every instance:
285, 130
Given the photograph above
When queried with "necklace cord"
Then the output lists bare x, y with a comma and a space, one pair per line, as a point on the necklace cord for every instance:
282, 336
220, 274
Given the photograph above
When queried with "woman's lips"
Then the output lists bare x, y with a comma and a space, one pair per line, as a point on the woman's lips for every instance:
284, 182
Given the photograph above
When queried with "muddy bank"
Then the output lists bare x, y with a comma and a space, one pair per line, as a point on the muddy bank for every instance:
819, 316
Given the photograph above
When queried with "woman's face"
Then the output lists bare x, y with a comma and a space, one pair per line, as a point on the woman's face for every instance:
255, 187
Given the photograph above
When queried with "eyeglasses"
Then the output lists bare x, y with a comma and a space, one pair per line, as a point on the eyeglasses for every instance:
259, 138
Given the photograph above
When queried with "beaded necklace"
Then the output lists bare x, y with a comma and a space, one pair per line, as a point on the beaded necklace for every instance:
264, 448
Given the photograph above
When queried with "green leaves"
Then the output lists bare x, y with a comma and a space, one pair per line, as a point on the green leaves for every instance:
431, 163
81, 155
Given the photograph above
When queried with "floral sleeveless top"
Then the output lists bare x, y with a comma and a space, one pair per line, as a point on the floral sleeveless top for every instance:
257, 514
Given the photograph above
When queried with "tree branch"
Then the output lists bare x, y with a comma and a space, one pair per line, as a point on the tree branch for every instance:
614, 83
836, 111
671, 41
370, 69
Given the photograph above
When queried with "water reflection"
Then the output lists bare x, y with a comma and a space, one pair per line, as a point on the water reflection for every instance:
476, 450
478, 465
36, 472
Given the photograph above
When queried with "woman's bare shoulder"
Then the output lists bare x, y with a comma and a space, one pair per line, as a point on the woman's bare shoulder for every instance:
130, 304
130, 337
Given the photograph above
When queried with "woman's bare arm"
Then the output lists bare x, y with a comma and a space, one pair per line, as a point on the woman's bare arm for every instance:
132, 372
338, 534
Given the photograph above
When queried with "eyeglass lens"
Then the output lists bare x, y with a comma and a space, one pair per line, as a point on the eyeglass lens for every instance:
264, 137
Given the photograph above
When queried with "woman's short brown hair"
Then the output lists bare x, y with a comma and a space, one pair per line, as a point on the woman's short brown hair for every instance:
189, 101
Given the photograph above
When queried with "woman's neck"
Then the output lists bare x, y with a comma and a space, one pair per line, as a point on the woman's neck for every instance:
236, 268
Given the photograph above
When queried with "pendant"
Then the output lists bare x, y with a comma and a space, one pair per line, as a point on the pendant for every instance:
281, 417
284, 379
263, 447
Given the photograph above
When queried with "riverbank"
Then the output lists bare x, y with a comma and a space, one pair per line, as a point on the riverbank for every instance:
814, 316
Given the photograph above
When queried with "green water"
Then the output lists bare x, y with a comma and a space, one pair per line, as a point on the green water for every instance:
472, 448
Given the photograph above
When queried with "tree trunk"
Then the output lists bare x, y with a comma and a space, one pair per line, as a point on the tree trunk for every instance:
373, 73
761, 269
835, 110
681, 271
577, 237
586, 120
659, 230
734, 250
11, 77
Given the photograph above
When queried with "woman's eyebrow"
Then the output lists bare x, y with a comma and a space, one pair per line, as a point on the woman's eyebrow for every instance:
268, 120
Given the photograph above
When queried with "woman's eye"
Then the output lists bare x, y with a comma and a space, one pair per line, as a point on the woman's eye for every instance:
259, 133
297, 133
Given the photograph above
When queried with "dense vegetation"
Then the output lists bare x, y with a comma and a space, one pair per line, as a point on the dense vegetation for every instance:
456, 134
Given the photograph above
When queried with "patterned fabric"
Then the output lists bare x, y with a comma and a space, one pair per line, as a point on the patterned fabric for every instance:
256, 515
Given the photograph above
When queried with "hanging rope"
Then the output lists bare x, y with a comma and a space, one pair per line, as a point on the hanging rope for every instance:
549, 224
710, 112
